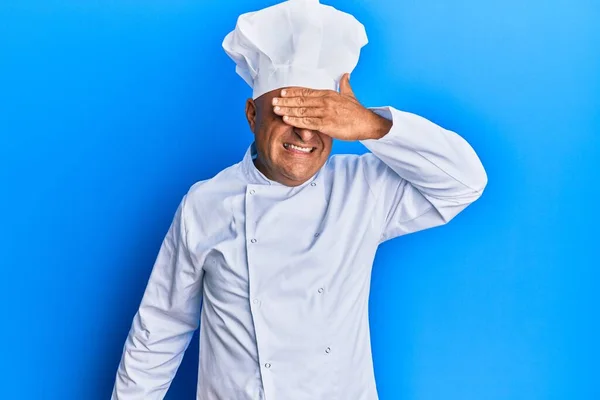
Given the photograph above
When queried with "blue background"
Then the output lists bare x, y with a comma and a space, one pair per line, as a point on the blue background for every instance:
110, 110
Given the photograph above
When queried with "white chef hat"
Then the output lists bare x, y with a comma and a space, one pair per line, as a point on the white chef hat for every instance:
295, 43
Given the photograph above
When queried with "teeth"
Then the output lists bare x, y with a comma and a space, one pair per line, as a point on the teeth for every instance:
302, 149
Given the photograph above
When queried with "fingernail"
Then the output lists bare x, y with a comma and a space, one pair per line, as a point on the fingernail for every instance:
275, 100
283, 92
277, 108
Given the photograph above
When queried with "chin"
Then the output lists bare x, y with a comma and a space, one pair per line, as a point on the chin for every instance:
299, 176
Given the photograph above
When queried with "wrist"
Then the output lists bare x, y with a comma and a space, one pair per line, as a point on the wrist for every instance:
381, 126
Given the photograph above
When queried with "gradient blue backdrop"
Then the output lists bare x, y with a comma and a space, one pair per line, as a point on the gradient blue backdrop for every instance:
110, 110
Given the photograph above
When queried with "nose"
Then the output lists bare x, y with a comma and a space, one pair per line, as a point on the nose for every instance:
304, 134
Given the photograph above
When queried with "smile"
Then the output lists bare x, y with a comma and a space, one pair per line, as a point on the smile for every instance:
298, 149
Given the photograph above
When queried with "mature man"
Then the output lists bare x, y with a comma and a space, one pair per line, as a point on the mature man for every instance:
272, 257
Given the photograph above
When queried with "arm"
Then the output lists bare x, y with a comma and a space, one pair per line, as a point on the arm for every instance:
165, 322
422, 174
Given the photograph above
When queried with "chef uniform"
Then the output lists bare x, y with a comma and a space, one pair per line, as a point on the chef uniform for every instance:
278, 277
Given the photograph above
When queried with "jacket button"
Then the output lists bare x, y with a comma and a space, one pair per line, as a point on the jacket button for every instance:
253, 240
327, 350
313, 184
267, 365
321, 290
252, 191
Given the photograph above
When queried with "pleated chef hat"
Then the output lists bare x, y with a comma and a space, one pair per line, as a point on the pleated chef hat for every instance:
295, 43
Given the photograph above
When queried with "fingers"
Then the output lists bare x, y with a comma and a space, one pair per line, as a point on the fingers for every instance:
315, 124
304, 92
299, 111
305, 108
299, 101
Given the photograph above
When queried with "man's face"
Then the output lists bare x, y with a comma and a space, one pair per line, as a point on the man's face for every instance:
277, 158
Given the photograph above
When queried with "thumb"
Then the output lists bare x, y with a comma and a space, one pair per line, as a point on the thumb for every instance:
345, 87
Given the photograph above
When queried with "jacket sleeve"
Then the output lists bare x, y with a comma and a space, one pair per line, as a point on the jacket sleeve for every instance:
163, 326
421, 174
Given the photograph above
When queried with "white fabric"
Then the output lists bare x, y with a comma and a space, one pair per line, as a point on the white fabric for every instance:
284, 272
295, 43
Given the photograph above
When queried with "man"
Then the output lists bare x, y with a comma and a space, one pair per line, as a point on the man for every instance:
272, 257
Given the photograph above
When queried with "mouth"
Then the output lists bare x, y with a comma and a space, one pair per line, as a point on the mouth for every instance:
296, 149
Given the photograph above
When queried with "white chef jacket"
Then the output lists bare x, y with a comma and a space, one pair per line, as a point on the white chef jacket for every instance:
278, 277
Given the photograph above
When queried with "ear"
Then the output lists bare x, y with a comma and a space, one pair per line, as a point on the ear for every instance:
251, 113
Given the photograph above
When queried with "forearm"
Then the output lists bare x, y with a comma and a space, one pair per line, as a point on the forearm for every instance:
151, 356
439, 163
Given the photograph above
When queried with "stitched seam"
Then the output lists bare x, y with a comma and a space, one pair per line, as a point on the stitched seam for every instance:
457, 180
420, 215
375, 197
363, 167
185, 238
402, 181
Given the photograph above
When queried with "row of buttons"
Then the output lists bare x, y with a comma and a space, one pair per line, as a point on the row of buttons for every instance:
321, 290
327, 350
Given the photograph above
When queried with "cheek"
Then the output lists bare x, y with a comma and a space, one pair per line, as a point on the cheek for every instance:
270, 131
277, 132
269, 142
327, 143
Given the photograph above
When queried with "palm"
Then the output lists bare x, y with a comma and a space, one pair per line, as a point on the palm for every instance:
339, 115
